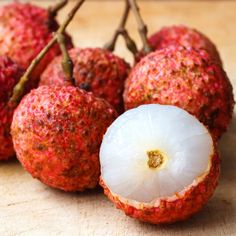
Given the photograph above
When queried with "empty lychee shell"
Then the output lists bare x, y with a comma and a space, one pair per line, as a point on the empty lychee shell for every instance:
158, 164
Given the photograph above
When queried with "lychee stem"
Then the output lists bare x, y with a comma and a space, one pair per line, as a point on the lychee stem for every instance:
66, 63
155, 159
111, 45
122, 31
142, 28
18, 90
53, 10
130, 43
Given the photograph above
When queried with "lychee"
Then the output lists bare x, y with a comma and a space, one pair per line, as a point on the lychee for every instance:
24, 30
184, 36
57, 132
10, 74
158, 164
186, 78
96, 70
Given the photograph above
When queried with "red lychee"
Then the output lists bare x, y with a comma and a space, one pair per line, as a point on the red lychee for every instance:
10, 74
57, 132
96, 70
184, 36
186, 78
24, 30
158, 164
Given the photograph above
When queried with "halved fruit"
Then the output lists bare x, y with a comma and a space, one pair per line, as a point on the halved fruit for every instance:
158, 163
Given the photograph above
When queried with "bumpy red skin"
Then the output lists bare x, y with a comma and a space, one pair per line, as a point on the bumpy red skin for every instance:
10, 74
184, 36
176, 210
57, 132
186, 78
24, 30
96, 70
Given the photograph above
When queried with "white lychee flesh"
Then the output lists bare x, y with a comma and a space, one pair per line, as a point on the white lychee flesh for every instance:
154, 151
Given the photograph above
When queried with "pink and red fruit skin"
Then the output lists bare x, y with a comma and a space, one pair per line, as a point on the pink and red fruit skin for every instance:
186, 37
25, 30
177, 210
186, 78
10, 74
57, 132
96, 70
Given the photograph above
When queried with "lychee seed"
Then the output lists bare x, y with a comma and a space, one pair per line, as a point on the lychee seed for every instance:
155, 159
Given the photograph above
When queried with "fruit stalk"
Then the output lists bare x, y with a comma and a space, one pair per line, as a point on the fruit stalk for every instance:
130, 43
111, 45
18, 90
122, 31
142, 28
66, 63
53, 10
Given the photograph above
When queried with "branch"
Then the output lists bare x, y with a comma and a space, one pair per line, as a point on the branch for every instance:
70, 17
111, 45
130, 43
142, 28
18, 90
53, 10
66, 63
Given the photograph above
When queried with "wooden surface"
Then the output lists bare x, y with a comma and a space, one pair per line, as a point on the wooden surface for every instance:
28, 207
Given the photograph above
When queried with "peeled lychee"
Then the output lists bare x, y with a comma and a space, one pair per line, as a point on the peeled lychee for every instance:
158, 164
10, 74
186, 78
57, 132
24, 30
184, 36
96, 70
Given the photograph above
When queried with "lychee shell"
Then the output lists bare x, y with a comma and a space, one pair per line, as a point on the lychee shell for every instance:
178, 209
184, 36
96, 70
24, 31
57, 132
10, 74
186, 78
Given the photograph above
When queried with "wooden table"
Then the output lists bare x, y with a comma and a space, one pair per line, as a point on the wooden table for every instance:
28, 207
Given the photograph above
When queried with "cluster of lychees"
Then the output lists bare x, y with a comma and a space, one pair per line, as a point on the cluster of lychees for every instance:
158, 162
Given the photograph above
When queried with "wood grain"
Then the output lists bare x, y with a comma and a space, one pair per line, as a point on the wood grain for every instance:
28, 207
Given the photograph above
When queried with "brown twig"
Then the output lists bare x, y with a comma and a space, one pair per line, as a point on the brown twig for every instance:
130, 43
52, 13
18, 90
142, 28
53, 10
66, 63
111, 45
